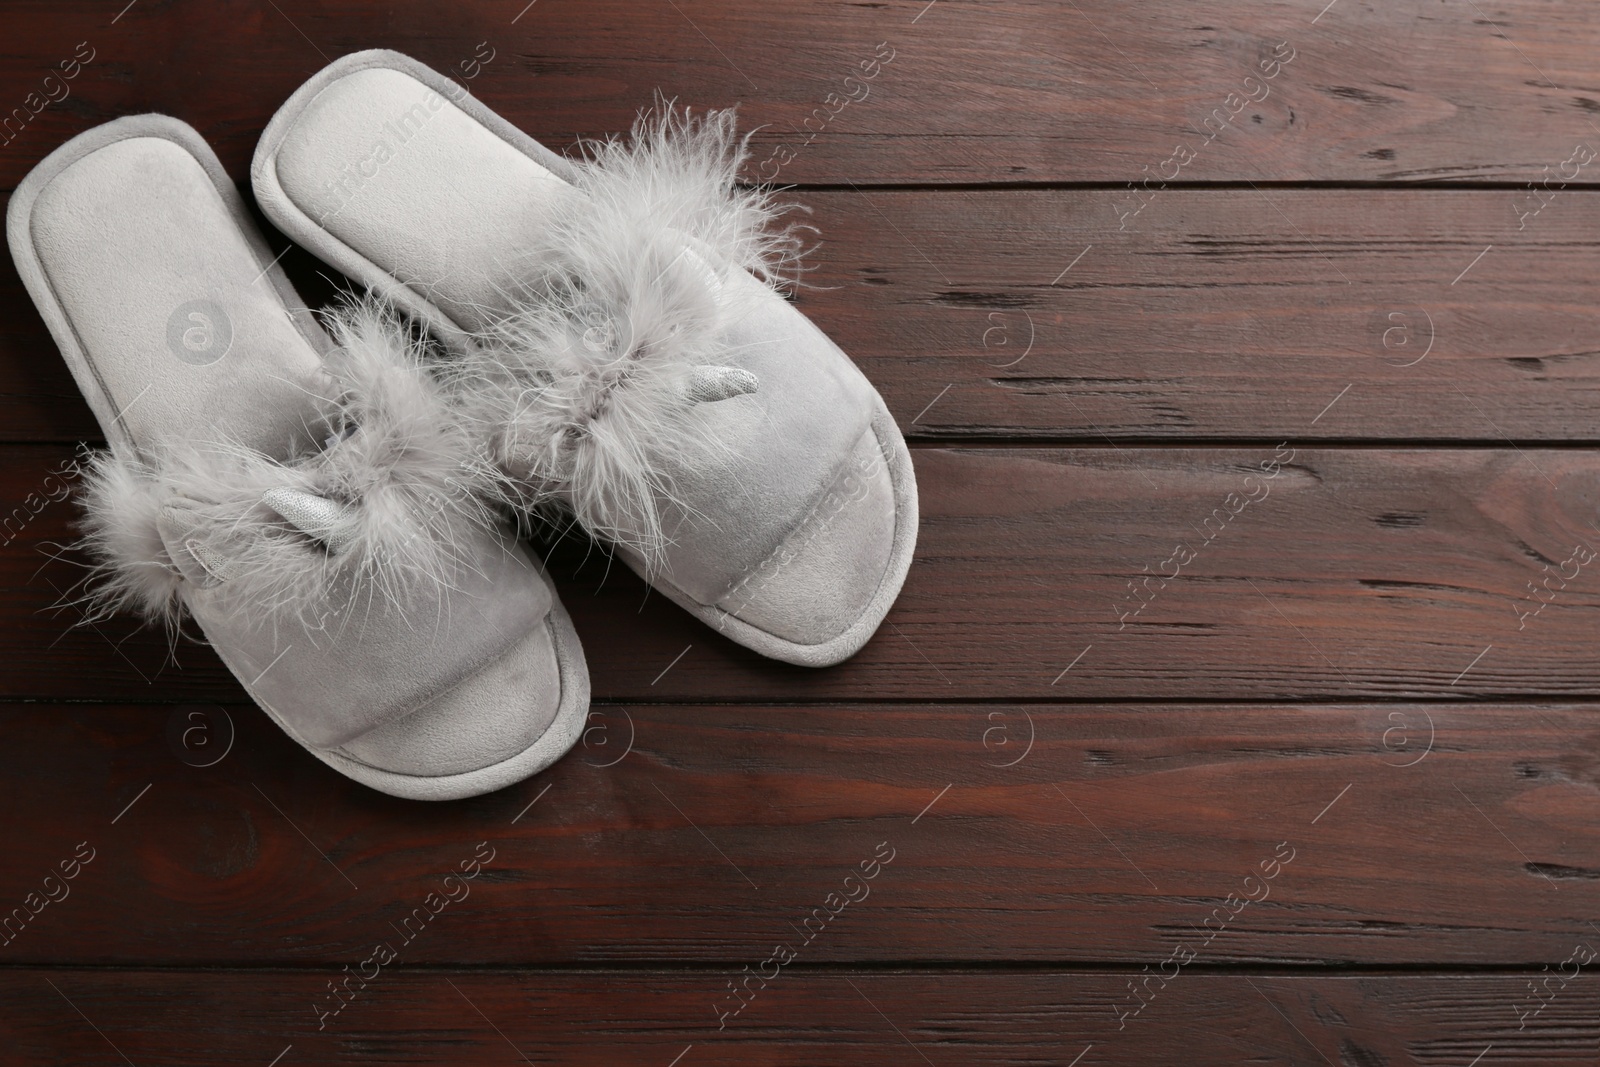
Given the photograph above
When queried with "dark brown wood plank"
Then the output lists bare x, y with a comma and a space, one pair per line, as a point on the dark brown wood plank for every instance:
1022, 90
1227, 314
801, 1018
1366, 834
1351, 573
1317, 710
1244, 313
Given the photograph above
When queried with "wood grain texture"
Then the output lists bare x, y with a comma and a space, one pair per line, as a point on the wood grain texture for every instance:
1025, 90
1298, 744
1297, 835
1349, 574
1235, 314
1227, 314
801, 1019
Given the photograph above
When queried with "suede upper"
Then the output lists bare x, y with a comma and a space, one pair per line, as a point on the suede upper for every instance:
186, 338
800, 528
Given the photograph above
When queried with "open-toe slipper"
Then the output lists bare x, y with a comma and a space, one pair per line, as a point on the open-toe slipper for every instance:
621, 339
313, 502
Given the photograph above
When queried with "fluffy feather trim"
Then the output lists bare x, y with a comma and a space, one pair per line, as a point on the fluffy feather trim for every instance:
590, 391
400, 470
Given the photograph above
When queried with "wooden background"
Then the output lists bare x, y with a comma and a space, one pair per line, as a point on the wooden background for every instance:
1376, 681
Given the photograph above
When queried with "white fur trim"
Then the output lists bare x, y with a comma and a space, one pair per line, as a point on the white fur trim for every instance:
587, 390
400, 474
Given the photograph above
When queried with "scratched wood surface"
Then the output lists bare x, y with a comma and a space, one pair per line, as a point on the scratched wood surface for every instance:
838, 1016
1241, 703
1298, 835
952, 91
1226, 573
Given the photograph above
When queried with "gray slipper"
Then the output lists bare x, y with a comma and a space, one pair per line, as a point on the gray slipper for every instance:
313, 503
619, 337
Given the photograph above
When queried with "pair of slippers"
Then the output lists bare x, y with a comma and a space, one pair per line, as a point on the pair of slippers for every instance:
333, 502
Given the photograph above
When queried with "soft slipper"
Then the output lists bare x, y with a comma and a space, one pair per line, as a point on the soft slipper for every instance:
619, 337
314, 503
